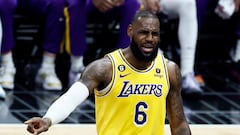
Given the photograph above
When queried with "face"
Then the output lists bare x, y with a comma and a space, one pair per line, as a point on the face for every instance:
145, 36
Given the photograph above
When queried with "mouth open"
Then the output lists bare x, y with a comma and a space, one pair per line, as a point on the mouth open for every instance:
147, 48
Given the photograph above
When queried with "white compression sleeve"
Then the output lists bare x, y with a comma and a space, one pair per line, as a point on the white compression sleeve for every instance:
64, 105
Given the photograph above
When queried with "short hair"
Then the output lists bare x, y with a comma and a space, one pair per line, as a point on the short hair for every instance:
143, 14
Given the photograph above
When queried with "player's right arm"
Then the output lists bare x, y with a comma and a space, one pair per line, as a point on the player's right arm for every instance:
96, 75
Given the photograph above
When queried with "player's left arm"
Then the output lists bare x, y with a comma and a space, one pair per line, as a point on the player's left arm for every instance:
175, 112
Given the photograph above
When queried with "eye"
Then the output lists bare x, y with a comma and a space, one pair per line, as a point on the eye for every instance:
155, 33
144, 32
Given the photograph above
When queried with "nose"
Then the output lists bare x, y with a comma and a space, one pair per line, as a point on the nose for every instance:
149, 37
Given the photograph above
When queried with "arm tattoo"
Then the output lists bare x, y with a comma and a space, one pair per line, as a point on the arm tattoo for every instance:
175, 94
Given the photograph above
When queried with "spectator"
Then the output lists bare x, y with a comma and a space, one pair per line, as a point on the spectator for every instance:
7, 9
80, 10
51, 11
225, 10
2, 92
236, 54
186, 11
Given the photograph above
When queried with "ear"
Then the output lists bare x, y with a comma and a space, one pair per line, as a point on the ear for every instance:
130, 30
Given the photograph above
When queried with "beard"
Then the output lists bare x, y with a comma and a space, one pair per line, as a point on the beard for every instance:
139, 55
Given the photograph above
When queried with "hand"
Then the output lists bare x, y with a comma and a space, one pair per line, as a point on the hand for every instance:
151, 5
237, 5
103, 5
118, 2
37, 125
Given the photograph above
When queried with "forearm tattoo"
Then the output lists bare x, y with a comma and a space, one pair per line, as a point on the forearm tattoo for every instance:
175, 94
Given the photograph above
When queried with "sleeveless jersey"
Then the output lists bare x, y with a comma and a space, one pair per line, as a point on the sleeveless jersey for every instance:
134, 103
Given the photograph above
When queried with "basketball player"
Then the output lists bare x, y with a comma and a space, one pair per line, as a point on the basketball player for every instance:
134, 88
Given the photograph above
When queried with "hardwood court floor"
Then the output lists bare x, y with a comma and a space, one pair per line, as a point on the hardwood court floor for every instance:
89, 129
